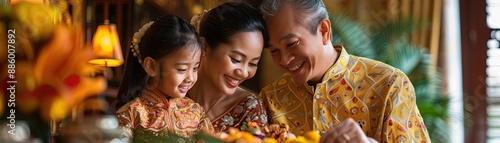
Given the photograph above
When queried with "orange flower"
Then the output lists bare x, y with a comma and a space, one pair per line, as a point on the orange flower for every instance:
273, 134
52, 70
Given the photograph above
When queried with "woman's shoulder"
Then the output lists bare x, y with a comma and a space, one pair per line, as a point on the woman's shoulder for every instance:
244, 92
249, 99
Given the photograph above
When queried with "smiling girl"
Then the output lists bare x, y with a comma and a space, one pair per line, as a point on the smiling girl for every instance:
161, 69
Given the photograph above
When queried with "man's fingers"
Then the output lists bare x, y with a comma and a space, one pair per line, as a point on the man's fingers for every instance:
347, 131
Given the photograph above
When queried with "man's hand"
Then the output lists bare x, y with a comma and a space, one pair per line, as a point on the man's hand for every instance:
347, 131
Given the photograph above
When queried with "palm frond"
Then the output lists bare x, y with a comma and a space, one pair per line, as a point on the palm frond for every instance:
403, 56
437, 132
427, 80
350, 34
384, 39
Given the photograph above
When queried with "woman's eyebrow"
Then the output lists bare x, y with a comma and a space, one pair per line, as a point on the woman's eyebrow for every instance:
243, 55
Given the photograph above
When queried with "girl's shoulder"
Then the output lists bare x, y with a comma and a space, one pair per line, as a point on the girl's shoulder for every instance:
136, 103
186, 103
139, 103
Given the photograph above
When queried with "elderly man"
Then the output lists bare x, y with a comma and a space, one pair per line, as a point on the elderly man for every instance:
344, 97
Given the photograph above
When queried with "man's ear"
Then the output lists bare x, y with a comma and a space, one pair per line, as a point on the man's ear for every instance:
324, 29
149, 66
204, 46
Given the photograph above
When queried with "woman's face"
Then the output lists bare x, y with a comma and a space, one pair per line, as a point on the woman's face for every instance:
229, 64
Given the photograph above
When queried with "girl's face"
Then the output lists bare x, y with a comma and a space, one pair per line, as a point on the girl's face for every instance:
178, 72
229, 64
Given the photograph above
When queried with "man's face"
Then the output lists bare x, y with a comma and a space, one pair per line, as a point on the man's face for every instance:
295, 48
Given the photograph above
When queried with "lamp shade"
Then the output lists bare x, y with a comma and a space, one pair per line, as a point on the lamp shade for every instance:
106, 47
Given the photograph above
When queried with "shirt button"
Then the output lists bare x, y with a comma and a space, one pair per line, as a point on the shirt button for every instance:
314, 118
317, 96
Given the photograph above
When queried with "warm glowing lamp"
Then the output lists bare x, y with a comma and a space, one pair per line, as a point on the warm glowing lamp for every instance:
106, 46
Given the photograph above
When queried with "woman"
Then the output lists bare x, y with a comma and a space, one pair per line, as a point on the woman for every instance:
233, 36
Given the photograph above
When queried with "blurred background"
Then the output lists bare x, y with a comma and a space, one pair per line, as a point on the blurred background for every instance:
448, 48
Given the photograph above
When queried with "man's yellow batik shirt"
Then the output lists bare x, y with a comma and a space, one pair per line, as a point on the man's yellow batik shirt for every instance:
378, 96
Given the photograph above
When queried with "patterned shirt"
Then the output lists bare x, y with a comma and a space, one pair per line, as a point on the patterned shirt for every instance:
378, 96
248, 109
151, 116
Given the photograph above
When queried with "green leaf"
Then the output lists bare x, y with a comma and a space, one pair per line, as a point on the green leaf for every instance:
404, 56
151, 136
352, 36
391, 33
206, 138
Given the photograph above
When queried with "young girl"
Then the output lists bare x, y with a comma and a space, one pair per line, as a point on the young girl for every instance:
233, 36
158, 73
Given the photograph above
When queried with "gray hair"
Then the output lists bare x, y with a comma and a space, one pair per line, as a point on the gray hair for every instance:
308, 13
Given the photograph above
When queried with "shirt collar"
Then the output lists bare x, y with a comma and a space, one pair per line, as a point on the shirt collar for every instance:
334, 71
154, 95
340, 65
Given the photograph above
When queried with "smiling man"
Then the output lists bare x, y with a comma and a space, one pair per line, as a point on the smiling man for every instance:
343, 97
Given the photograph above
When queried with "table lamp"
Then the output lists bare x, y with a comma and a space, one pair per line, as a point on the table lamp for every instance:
106, 46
